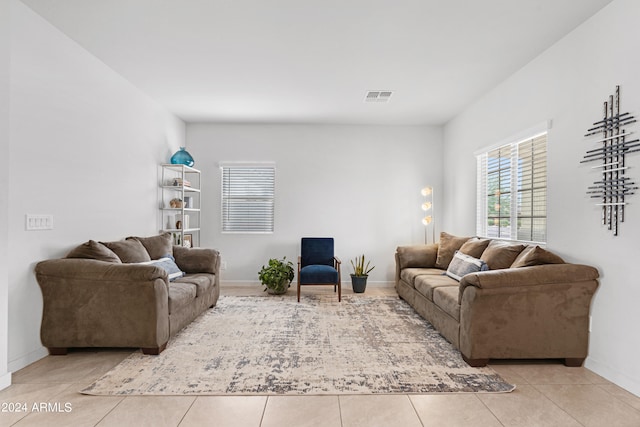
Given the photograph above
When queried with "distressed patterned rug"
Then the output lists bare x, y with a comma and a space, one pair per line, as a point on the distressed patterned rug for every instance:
275, 345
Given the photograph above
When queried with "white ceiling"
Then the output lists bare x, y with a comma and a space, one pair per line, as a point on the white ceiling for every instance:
311, 61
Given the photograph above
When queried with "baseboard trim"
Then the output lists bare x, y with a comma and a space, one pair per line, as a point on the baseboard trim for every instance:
5, 380
27, 359
613, 375
345, 282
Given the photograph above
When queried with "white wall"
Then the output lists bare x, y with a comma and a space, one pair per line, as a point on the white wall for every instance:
5, 376
85, 147
568, 84
358, 184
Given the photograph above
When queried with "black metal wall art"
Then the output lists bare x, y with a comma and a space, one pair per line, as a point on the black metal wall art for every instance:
614, 188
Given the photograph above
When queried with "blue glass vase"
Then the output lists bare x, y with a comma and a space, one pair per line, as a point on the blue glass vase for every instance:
182, 157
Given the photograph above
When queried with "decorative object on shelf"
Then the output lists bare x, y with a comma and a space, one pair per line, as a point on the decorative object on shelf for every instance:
188, 241
360, 274
276, 276
182, 157
179, 182
175, 203
177, 239
614, 186
427, 205
183, 220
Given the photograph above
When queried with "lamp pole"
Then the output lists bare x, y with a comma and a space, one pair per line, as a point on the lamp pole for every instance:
427, 192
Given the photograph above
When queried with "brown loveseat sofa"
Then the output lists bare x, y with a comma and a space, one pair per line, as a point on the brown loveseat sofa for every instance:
113, 295
530, 304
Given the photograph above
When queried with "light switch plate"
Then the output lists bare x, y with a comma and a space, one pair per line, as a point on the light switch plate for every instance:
39, 222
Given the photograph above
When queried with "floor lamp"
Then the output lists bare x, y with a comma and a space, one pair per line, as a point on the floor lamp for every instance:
427, 193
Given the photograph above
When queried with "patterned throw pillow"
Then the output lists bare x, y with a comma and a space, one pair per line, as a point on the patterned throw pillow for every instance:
167, 263
462, 264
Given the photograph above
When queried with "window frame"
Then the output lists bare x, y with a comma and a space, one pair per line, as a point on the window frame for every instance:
515, 168
247, 198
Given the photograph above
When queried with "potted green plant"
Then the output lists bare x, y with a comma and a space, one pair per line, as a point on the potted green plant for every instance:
360, 274
276, 276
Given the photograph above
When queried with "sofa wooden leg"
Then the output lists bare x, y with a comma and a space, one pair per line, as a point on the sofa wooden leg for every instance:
574, 362
475, 363
153, 351
58, 351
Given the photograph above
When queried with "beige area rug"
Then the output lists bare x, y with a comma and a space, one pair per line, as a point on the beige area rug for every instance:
275, 345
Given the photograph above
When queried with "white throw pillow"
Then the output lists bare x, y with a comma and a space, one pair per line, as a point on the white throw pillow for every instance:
462, 264
169, 265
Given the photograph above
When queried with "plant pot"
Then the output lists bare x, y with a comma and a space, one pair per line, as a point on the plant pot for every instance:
276, 291
359, 283
279, 290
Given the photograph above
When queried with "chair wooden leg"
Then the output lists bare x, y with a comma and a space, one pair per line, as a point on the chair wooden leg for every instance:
298, 290
339, 291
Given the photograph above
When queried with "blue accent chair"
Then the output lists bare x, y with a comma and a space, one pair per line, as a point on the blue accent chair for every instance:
317, 264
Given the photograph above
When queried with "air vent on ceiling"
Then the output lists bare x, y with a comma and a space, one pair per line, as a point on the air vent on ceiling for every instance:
378, 96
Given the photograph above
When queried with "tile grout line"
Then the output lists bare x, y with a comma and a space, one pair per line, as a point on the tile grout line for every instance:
554, 402
489, 409
187, 411
415, 410
109, 411
616, 397
264, 410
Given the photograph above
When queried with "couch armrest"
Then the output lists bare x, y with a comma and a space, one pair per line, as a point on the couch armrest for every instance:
197, 260
421, 256
547, 274
537, 312
90, 303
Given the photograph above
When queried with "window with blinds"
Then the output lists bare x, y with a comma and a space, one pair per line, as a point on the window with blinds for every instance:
248, 197
512, 191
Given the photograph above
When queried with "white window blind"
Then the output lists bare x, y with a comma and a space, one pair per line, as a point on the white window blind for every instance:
248, 197
512, 191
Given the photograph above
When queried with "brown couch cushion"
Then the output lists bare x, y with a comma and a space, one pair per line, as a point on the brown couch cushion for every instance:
448, 246
474, 247
202, 281
129, 250
535, 255
157, 246
181, 295
446, 298
428, 283
409, 275
94, 250
500, 254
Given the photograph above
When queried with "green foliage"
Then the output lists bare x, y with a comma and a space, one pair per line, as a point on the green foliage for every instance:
359, 267
277, 275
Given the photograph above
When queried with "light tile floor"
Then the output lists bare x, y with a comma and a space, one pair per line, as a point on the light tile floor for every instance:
547, 394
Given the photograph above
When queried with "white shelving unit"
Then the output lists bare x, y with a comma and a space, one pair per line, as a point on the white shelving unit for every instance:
180, 203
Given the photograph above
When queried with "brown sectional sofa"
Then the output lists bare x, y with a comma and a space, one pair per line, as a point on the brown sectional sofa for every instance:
530, 304
112, 294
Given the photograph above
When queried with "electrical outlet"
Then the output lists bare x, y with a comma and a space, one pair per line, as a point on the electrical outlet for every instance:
223, 265
38, 222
